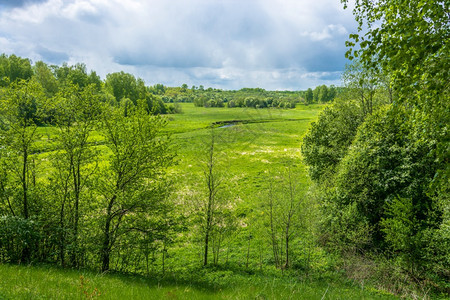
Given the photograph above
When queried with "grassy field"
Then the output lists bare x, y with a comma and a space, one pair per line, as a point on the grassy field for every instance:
252, 142
43, 282
253, 145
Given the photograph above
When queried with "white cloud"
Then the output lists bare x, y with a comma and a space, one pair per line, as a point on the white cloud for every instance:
328, 32
225, 43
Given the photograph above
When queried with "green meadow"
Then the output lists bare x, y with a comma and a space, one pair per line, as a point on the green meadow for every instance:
253, 144
45, 282
251, 141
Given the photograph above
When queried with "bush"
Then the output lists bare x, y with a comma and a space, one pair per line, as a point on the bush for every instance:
17, 235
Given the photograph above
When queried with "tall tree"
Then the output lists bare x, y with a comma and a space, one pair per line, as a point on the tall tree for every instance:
14, 68
21, 109
329, 138
213, 184
309, 97
138, 157
45, 77
408, 40
363, 84
77, 115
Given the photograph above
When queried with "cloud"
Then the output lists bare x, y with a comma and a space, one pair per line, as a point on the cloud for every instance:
18, 3
225, 43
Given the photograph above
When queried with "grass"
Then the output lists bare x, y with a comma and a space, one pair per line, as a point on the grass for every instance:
45, 282
193, 118
259, 141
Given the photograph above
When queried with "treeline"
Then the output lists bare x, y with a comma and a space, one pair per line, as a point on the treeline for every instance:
246, 97
322, 94
379, 157
254, 98
118, 89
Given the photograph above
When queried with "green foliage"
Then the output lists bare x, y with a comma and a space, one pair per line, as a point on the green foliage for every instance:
377, 196
76, 75
366, 86
329, 138
405, 40
16, 235
124, 85
129, 185
385, 189
45, 77
285, 216
398, 227
14, 68
309, 96
385, 162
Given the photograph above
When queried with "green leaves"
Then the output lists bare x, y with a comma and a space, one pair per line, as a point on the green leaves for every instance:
328, 139
399, 224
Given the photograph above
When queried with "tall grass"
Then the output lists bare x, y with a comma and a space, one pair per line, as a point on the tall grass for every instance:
46, 282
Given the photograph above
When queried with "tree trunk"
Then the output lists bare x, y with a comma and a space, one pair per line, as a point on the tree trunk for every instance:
106, 250
26, 252
106, 247
205, 256
286, 265
76, 183
24, 184
62, 235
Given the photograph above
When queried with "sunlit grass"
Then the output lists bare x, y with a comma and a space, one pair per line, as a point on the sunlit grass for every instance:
43, 282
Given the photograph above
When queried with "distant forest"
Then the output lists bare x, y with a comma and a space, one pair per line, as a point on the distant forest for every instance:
121, 88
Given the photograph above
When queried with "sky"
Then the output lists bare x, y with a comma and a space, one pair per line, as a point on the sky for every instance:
226, 44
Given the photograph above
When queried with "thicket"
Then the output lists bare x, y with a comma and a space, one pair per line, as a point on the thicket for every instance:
379, 155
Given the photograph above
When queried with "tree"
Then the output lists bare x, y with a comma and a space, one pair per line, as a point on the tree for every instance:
408, 40
212, 206
22, 109
385, 164
316, 94
122, 85
309, 96
158, 89
332, 93
285, 214
78, 112
362, 84
329, 138
46, 78
138, 157
409, 47
323, 94
213, 184
14, 68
